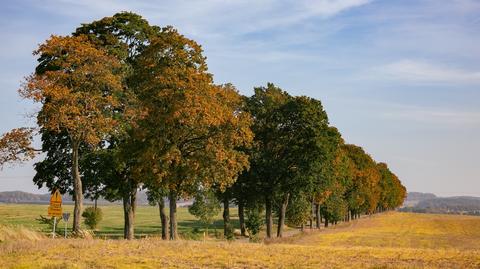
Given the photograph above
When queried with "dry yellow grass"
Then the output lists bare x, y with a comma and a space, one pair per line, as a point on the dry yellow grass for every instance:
12, 233
392, 240
401, 230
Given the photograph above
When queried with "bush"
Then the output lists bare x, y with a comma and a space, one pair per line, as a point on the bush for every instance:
205, 207
299, 210
229, 233
253, 223
92, 217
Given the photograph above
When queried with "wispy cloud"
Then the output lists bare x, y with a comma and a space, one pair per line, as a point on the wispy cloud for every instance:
425, 115
427, 72
244, 15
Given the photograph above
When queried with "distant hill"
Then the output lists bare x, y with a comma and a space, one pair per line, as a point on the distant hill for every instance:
20, 197
419, 196
430, 203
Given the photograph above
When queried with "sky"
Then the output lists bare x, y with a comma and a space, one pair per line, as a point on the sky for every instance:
398, 77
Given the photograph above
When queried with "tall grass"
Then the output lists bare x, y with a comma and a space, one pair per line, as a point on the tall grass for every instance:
16, 233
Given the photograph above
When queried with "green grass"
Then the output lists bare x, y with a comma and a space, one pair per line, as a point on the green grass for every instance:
147, 220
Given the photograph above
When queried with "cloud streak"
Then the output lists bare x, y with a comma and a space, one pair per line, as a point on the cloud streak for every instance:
427, 72
434, 116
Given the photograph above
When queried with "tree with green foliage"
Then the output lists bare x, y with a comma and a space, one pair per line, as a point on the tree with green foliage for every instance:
205, 207
290, 135
265, 155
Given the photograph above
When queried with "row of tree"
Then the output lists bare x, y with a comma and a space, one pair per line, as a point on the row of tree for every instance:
126, 105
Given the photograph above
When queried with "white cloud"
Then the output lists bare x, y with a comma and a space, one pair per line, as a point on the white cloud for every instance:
195, 16
332, 7
427, 72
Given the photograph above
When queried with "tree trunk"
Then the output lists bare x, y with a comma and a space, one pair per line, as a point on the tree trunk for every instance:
321, 217
163, 218
268, 216
326, 222
317, 215
95, 204
173, 215
281, 217
129, 206
227, 231
312, 213
77, 188
241, 218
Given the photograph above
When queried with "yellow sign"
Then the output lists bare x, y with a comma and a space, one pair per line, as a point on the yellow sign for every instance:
55, 208
55, 211
56, 198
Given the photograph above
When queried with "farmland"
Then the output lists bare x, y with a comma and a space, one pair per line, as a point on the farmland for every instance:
389, 240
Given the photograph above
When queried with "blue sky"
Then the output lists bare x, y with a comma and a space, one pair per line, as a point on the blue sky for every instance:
398, 77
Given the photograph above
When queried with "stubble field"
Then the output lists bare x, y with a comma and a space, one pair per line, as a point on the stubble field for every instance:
389, 240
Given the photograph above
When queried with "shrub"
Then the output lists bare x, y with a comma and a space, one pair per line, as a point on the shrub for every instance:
253, 223
229, 233
92, 217
299, 210
205, 207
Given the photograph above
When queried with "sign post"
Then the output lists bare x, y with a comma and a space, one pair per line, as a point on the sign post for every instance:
54, 224
55, 208
66, 216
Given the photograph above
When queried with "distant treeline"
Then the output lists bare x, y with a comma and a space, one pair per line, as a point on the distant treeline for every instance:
128, 106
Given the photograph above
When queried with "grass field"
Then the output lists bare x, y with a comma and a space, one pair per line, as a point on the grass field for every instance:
147, 220
389, 240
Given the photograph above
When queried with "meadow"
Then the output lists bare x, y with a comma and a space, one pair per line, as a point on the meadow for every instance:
147, 220
388, 240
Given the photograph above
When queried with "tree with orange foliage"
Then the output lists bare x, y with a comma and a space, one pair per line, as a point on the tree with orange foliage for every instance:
364, 193
78, 86
15, 146
192, 129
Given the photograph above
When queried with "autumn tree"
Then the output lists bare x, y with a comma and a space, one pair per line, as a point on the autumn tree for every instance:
364, 193
16, 146
392, 192
78, 88
192, 128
